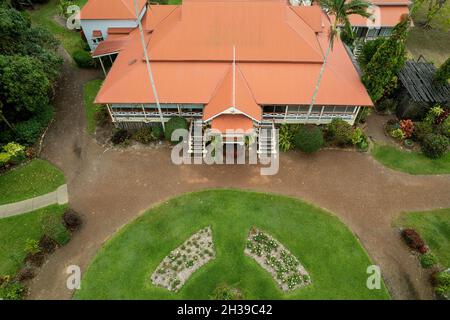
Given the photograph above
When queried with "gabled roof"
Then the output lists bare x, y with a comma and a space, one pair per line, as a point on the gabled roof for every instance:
222, 100
384, 16
312, 15
110, 9
227, 122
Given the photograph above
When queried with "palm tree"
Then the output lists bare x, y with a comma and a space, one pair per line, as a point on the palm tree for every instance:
340, 10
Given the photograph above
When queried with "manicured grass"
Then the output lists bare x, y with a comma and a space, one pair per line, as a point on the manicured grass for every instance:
434, 227
44, 15
329, 251
16, 230
432, 43
410, 162
90, 90
32, 179
174, 2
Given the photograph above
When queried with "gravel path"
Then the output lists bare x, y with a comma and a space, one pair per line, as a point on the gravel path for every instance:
111, 187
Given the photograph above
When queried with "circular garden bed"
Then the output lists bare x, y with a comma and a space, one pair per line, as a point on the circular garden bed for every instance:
331, 254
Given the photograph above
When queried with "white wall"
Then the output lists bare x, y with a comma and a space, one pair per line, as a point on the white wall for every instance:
89, 26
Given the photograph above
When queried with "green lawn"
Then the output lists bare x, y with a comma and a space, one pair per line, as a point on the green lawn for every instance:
410, 162
32, 179
44, 15
89, 92
434, 227
16, 230
433, 43
332, 255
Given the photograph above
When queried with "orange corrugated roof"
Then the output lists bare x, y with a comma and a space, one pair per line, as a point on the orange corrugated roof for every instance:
155, 15
185, 74
385, 16
119, 30
234, 122
263, 31
110, 9
113, 44
222, 99
312, 15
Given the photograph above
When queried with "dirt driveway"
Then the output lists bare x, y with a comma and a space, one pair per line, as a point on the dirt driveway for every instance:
111, 187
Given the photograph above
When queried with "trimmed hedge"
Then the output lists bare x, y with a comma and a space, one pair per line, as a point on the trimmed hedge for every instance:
173, 124
83, 59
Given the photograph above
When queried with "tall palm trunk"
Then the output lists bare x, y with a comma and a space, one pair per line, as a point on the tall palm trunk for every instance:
7, 122
319, 80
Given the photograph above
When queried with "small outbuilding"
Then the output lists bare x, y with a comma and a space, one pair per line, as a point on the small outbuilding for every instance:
419, 91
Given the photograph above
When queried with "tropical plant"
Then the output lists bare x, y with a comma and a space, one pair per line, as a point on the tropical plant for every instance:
286, 137
143, 135
368, 50
380, 74
428, 260
407, 127
397, 134
340, 10
309, 138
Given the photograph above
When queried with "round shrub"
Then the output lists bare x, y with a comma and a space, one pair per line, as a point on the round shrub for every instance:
101, 116
72, 220
174, 124
309, 138
157, 131
421, 129
434, 145
83, 59
340, 132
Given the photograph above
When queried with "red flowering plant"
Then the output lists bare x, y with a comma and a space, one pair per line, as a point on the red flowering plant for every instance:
407, 127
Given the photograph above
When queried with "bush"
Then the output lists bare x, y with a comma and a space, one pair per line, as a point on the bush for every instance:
441, 281
47, 244
25, 273
434, 145
83, 59
101, 116
143, 135
12, 153
309, 138
29, 131
407, 127
173, 124
363, 114
72, 220
157, 132
32, 246
428, 260
224, 292
397, 134
414, 241
120, 136
442, 74
444, 128
4, 159
422, 129
286, 136
339, 132
11, 290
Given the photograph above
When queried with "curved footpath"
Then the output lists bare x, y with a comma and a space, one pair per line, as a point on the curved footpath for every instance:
111, 187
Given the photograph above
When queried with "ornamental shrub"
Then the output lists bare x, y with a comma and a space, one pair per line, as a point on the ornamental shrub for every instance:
407, 127
397, 134
309, 138
225, 292
441, 281
421, 129
386, 105
101, 116
83, 59
339, 132
72, 220
428, 260
143, 135
435, 145
174, 124
444, 128
11, 290
414, 241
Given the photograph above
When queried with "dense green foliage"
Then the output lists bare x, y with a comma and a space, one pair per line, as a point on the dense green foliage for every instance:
330, 253
90, 90
83, 59
368, 50
443, 73
434, 145
380, 73
339, 132
174, 124
29, 65
309, 138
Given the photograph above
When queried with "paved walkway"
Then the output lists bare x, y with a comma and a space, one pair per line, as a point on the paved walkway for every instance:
59, 196
112, 187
